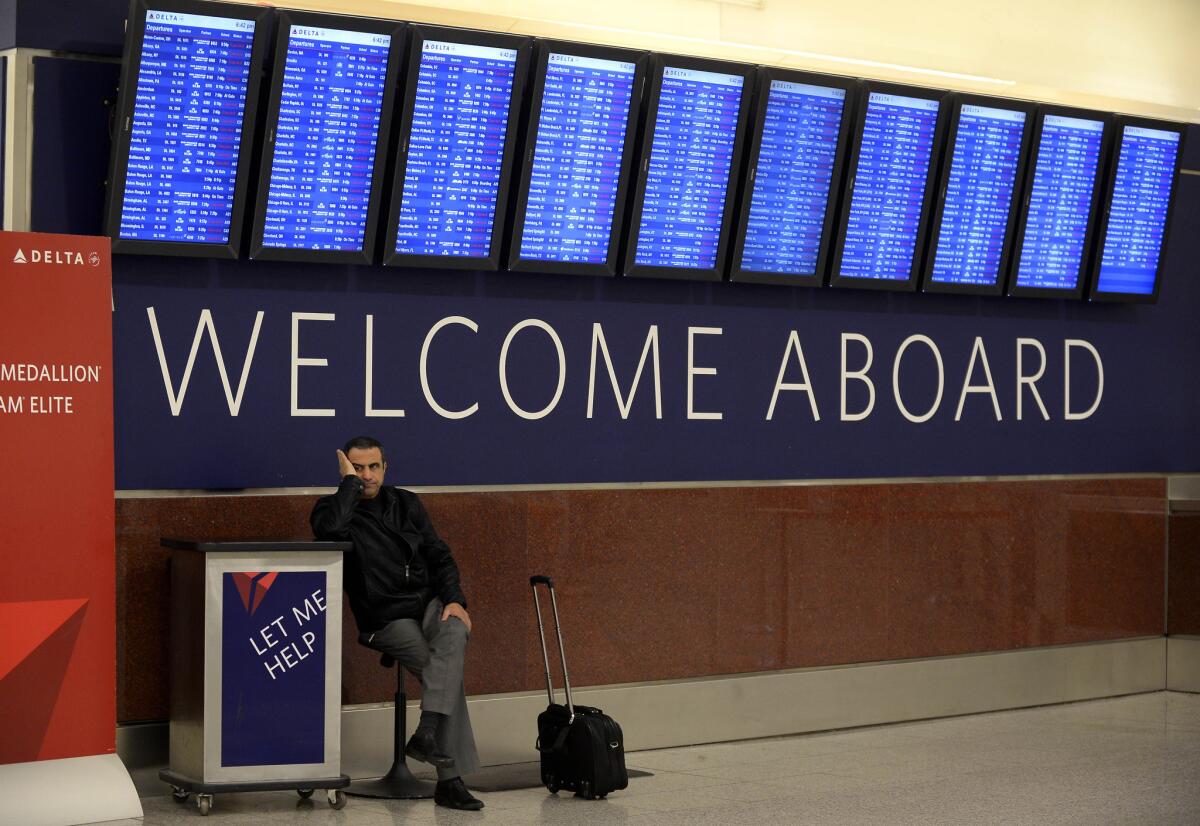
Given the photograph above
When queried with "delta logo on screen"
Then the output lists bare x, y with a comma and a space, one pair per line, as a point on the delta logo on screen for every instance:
252, 586
72, 258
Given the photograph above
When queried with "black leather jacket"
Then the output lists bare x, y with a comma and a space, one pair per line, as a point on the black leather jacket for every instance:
398, 563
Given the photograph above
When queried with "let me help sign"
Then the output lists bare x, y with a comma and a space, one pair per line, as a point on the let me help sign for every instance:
57, 592
273, 654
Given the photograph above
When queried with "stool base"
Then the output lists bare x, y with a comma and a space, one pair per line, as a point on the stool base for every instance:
397, 784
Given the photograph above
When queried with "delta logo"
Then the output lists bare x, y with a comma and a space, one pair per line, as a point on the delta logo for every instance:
72, 258
252, 586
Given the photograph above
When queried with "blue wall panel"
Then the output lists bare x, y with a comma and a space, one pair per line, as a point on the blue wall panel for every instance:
1146, 420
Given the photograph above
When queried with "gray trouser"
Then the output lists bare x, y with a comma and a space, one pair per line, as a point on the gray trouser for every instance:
434, 652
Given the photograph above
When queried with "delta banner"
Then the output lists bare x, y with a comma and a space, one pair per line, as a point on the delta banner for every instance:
273, 668
58, 593
240, 374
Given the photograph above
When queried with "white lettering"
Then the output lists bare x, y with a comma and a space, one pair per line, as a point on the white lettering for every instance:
941, 373
268, 637
298, 362
1068, 345
56, 257
562, 369
693, 371
624, 404
56, 373
368, 404
860, 375
312, 606
806, 385
989, 388
206, 323
51, 404
271, 669
1022, 379
433, 331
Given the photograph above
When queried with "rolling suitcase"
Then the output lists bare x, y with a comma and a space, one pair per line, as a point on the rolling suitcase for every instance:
582, 748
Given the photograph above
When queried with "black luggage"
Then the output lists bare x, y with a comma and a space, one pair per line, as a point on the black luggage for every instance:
582, 748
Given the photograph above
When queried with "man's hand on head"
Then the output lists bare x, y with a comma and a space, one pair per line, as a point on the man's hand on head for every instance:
345, 468
456, 610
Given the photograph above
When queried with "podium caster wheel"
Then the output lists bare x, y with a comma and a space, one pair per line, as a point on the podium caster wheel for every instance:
305, 793
337, 799
179, 795
204, 804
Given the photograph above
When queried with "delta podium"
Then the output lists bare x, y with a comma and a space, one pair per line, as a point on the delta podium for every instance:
256, 652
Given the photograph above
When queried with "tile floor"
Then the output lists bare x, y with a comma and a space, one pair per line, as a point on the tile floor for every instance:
1126, 760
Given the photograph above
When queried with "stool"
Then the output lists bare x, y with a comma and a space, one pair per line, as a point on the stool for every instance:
398, 783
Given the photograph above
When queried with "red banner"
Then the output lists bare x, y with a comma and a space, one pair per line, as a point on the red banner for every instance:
57, 584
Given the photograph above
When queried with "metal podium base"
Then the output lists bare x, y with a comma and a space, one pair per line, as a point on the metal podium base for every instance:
182, 787
397, 784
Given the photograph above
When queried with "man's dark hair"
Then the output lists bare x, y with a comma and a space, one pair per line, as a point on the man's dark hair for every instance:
364, 443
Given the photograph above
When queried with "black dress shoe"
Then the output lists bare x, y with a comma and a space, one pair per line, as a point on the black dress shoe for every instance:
454, 794
423, 746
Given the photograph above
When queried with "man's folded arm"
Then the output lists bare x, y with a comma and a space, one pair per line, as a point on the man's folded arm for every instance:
331, 515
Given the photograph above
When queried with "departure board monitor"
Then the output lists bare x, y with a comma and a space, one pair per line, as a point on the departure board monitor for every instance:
185, 125
457, 133
688, 168
578, 153
1057, 217
892, 174
326, 138
978, 191
798, 138
1139, 196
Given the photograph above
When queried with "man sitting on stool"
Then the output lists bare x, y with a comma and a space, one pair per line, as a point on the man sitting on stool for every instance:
403, 587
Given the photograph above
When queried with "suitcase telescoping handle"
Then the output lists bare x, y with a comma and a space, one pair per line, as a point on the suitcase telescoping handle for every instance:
534, 581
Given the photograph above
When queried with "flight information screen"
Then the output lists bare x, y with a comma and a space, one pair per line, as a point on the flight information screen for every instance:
1060, 202
687, 179
577, 159
455, 149
979, 192
330, 107
880, 240
187, 128
1137, 217
792, 178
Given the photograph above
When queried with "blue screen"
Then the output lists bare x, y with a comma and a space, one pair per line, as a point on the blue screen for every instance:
1060, 201
1137, 216
187, 128
455, 150
792, 178
330, 106
687, 179
979, 192
577, 159
889, 187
